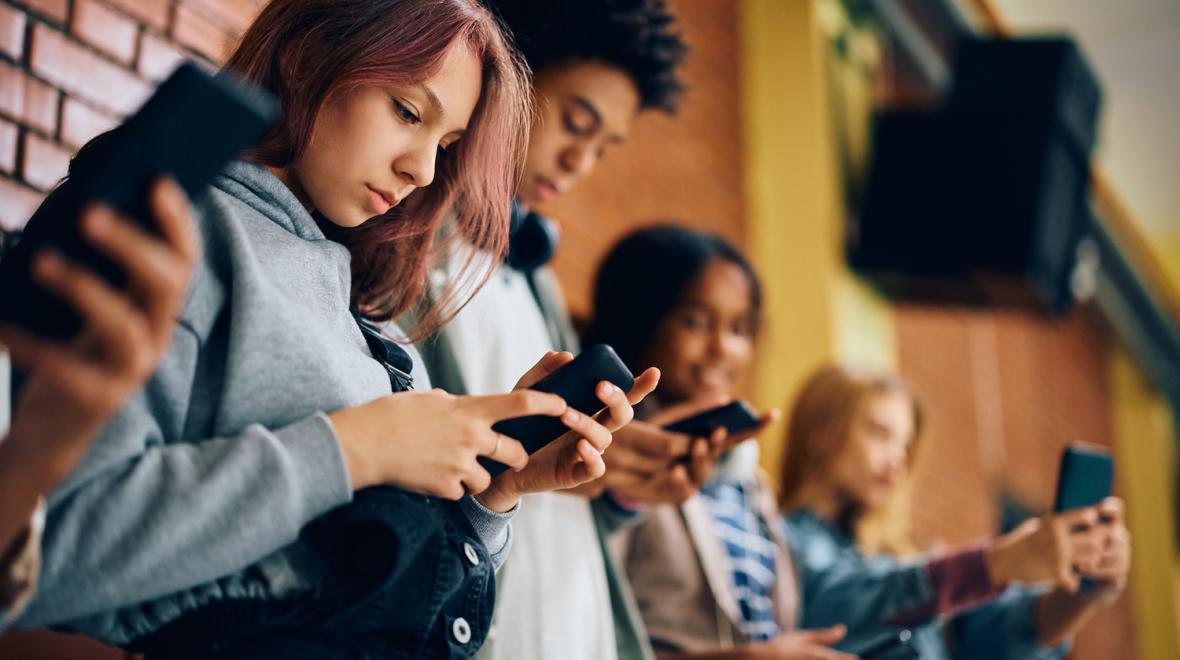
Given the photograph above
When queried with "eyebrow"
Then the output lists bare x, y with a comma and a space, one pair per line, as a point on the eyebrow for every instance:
589, 107
432, 99
436, 107
586, 105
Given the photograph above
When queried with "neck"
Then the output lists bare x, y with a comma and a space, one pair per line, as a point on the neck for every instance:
285, 175
829, 506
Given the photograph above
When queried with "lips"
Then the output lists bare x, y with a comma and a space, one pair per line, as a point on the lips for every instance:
381, 200
712, 378
546, 189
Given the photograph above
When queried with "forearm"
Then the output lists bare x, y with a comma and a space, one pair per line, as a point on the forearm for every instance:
113, 537
881, 592
18, 499
1060, 615
28, 471
739, 653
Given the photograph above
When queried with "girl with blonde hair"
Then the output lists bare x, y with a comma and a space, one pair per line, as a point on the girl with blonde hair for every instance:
852, 440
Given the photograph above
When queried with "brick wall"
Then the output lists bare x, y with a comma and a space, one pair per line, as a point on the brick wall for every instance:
1005, 393
687, 167
70, 69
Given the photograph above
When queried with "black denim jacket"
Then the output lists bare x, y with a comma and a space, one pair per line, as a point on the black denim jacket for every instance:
398, 575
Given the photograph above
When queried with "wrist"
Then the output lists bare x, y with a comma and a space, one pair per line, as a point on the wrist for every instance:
1100, 593
500, 496
20, 491
997, 559
360, 472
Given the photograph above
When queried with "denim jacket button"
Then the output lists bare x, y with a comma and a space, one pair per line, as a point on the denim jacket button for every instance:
461, 630
472, 555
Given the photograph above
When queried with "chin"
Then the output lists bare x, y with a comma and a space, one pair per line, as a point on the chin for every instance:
347, 219
876, 500
713, 390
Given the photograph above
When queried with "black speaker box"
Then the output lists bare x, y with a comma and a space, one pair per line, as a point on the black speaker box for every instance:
981, 202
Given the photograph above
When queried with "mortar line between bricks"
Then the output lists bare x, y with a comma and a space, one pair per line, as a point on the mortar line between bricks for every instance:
18, 172
26, 55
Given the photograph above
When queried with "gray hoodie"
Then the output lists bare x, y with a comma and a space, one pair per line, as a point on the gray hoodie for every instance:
226, 453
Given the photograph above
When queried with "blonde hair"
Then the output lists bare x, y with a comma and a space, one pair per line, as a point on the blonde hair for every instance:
818, 432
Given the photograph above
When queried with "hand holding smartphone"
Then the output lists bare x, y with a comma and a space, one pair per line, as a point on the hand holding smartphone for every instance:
190, 128
575, 382
1085, 478
734, 417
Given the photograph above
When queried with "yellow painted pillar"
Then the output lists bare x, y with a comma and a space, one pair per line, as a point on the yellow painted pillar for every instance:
1167, 249
1145, 454
815, 310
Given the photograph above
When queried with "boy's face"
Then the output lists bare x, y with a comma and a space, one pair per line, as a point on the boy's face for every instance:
583, 106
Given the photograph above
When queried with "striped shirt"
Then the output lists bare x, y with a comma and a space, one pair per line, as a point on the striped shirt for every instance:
751, 554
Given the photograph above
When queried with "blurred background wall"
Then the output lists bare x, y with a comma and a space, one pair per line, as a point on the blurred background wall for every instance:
762, 150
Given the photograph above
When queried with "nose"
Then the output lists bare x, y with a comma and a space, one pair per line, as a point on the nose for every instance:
579, 158
416, 166
897, 460
726, 343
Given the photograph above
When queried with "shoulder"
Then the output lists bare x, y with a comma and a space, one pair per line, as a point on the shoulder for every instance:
811, 539
219, 220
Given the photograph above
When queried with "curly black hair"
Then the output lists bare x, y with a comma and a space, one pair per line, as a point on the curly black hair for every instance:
635, 35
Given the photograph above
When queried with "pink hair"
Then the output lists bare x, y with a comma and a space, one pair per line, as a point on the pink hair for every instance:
306, 51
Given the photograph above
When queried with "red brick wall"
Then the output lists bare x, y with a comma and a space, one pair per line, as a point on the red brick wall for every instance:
69, 69
687, 167
1005, 393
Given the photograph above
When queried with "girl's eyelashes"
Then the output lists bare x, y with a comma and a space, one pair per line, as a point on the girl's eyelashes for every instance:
580, 126
405, 113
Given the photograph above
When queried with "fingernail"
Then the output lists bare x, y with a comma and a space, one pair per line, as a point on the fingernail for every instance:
570, 415
98, 222
172, 186
49, 263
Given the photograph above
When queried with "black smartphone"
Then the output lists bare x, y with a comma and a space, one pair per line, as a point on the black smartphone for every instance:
1085, 478
733, 417
192, 126
574, 382
893, 645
